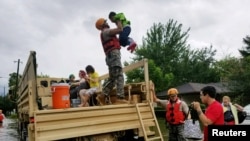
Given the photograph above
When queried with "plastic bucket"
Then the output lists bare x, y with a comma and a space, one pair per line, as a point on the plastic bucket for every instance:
60, 95
75, 102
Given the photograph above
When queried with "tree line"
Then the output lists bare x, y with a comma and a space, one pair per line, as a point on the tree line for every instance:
172, 62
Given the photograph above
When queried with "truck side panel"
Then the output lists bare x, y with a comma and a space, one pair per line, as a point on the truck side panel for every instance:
27, 87
60, 124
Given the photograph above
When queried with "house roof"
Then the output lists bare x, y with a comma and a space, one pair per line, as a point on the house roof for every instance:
196, 87
190, 88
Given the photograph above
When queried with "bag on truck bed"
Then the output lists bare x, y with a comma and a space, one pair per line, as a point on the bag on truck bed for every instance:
74, 90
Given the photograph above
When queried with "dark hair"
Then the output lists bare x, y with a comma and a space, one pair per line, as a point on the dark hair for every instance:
90, 69
111, 14
210, 90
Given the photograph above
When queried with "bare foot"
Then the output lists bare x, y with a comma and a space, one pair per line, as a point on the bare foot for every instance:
81, 105
99, 99
121, 101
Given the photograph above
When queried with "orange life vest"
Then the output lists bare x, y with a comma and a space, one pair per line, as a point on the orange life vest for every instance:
173, 114
1, 117
110, 44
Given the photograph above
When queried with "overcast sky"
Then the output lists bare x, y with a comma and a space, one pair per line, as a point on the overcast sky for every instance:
63, 33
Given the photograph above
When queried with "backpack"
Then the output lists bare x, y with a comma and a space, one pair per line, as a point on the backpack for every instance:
241, 116
228, 116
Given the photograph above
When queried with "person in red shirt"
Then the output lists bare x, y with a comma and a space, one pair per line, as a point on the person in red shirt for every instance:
214, 114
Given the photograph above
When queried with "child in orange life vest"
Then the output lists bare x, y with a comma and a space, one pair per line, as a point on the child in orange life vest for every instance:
124, 35
176, 113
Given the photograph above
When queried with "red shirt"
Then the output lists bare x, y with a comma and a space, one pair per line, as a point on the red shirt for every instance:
214, 112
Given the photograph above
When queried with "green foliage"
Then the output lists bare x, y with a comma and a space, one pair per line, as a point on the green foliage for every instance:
13, 116
13, 82
235, 72
8, 101
227, 67
240, 80
6, 104
245, 51
164, 44
171, 61
163, 127
199, 66
155, 73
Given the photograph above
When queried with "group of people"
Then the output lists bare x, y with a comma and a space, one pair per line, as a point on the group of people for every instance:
85, 87
177, 111
88, 83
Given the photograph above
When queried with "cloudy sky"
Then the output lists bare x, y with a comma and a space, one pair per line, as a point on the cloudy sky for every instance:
63, 33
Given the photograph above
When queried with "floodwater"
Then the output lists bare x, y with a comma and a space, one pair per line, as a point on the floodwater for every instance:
8, 130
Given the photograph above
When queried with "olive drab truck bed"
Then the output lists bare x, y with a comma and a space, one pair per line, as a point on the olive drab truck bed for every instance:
38, 121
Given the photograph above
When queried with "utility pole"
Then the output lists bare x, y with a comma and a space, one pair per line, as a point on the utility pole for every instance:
17, 76
3, 91
4, 94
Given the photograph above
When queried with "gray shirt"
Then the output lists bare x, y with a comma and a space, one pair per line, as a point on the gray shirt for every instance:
183, 107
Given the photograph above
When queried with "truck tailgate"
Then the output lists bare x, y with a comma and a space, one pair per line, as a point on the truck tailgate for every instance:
74, 122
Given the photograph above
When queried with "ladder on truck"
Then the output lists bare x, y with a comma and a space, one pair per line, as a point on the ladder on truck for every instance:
151, 118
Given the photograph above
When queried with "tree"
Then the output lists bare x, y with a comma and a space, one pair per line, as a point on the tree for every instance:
199, 66
8, 102
236, 71
171, 61
246, 50
163, 46
241, 79
228, 67
12, 85
155, 73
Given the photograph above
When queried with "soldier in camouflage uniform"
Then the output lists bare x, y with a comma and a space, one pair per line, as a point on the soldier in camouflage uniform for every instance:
112, 48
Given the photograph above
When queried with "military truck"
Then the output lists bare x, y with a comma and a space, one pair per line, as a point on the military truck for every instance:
39, 121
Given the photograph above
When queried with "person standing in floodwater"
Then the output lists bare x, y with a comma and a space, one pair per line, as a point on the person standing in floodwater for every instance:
2, 117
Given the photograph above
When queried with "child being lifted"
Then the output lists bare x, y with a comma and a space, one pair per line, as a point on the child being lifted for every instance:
124, 35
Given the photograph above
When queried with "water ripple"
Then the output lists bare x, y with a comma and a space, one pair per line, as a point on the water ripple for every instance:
8, 130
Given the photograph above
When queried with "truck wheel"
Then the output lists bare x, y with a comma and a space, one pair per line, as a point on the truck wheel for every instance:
130, 136
23, 132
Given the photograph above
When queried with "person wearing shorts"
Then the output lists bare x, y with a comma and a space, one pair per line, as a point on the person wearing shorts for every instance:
92, 79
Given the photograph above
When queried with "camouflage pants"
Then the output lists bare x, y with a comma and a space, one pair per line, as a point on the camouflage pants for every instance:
176, 133
116, 79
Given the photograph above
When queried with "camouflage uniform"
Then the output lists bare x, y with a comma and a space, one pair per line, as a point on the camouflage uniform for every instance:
176, 133
113, 61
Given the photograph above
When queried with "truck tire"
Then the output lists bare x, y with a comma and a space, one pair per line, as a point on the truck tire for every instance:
130, 136
23, 131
